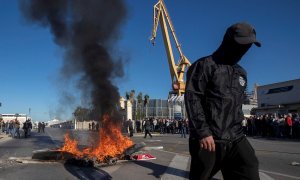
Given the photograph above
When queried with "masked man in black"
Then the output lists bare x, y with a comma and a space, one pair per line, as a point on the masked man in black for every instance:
214, 95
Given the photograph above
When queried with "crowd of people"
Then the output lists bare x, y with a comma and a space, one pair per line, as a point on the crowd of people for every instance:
268, 125
94, 126
41, 127
12, 128
159, 125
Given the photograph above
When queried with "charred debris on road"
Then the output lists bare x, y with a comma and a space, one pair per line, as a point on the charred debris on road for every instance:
133, 153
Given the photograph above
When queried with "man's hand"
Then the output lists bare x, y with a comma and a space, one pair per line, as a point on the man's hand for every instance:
208, 143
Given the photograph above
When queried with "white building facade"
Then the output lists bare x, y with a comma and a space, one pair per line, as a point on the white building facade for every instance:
282, 97
11, 117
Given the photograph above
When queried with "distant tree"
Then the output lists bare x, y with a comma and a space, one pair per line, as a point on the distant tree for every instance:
140, 98
127, 95
139, 105
81, 113
146, 99
132, 96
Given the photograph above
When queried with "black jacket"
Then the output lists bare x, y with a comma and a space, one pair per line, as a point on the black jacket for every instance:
215, 92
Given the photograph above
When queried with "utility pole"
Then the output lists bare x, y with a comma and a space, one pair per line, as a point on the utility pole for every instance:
161, 109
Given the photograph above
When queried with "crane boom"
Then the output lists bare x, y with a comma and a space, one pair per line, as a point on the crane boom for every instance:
177, 71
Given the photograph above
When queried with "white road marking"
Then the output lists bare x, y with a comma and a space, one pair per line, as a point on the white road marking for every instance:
170, 152
154, 140
147, 148
177, 168
179, 165
16, 158
264, 176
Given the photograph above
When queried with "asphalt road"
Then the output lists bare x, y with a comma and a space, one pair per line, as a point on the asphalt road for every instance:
275, 157
10, 169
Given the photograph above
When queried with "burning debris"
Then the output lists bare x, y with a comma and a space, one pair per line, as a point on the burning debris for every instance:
112, 148
111, 144
51, 155
132, 153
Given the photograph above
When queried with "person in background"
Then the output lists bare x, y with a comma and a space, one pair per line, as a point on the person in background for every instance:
39, 127
11, 128
244, 124
93, 126
25, 128
130, 127
147, 128
97, 126
183, 125
29, 127
43, 127
17, 129
289, 125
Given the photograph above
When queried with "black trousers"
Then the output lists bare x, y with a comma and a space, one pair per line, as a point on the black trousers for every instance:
236, 160
130, 132
147, 132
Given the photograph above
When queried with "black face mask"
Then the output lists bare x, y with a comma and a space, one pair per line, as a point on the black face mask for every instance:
230, 52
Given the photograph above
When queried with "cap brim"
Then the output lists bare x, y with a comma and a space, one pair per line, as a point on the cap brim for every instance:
247, 40
258, 44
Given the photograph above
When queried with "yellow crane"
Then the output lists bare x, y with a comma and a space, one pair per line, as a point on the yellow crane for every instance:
177, 71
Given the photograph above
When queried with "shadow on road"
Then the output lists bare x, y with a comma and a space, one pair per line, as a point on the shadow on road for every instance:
44, 141
87, 172
159, 170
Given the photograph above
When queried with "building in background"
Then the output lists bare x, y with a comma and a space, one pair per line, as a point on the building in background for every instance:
174, 108
53, 122
279, 98
20, 117
159, 108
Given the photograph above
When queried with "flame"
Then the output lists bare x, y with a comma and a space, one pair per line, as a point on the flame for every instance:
70, 146
111, 143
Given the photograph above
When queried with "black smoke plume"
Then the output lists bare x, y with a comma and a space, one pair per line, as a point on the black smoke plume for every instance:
87, 30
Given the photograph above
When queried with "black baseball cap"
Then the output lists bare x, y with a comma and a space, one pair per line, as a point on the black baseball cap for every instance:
243, 33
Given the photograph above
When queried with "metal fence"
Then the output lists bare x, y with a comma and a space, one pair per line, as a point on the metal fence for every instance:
159, 108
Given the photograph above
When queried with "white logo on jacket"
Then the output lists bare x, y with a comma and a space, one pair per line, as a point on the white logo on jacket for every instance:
242, 81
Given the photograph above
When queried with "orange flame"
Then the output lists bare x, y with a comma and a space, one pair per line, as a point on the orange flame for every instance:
70, 146
111, 144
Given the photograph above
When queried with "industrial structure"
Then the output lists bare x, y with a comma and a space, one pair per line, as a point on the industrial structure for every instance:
177, 70
156, 108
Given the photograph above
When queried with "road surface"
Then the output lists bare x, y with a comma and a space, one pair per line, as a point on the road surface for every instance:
171, 151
